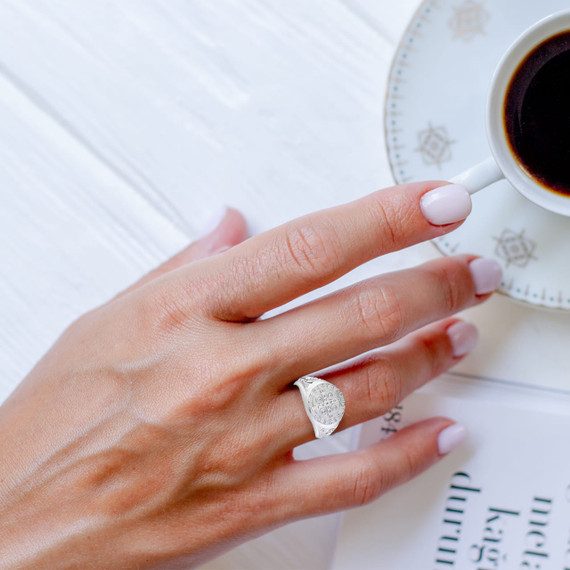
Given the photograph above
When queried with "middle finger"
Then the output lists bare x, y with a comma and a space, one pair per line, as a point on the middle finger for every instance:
372, 313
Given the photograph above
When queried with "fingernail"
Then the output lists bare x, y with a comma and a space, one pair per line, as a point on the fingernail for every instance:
463, 337
451, 438
486, 274
213, 221
446, 205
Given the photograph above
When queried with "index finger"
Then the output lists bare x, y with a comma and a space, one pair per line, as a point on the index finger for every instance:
277, 266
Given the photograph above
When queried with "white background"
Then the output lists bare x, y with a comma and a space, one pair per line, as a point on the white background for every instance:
125, 125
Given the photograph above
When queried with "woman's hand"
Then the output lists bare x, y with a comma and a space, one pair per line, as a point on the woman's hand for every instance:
161, 425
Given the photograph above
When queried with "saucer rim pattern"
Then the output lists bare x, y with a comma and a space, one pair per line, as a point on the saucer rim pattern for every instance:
545, 301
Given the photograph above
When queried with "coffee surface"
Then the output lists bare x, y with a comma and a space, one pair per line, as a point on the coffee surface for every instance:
537, 113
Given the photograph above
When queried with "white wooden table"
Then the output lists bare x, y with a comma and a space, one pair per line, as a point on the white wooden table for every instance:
124, 125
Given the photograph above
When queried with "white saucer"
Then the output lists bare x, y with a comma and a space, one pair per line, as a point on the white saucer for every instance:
435, 129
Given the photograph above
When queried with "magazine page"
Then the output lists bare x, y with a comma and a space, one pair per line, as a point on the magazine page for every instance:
502, 501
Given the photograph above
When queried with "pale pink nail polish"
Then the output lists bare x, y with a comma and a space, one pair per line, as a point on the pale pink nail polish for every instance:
446, 205
213, 221
451, 438
463, 337
486, 274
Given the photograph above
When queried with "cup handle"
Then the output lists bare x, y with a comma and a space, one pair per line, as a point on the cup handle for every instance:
479, 176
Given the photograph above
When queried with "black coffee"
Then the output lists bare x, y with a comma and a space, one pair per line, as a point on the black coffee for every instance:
537, 113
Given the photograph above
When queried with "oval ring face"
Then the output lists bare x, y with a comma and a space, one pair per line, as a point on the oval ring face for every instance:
326, 404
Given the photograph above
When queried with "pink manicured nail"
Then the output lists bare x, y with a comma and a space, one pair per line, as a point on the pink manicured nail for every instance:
451, 438
213, 221
463, 337
486, 274
446, 205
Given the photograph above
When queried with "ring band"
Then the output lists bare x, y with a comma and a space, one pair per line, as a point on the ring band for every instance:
324, 404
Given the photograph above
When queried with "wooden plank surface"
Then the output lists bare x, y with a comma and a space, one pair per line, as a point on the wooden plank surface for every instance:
144, 114
125, 124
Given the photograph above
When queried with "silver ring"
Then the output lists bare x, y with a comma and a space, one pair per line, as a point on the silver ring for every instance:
324, 404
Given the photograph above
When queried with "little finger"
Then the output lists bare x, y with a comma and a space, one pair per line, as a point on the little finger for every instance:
328, 484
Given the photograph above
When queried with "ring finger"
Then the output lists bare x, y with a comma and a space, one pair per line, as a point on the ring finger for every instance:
376, 383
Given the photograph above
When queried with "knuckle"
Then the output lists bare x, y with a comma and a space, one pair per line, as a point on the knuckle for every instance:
450, 276
390, 223
161, 311
434, 355
371, 479
380, 312
312, 250
171, 307
450, 294
385, 387
367, 485
411, 461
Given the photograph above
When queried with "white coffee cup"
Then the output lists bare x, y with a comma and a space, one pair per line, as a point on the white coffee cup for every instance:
503, 163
